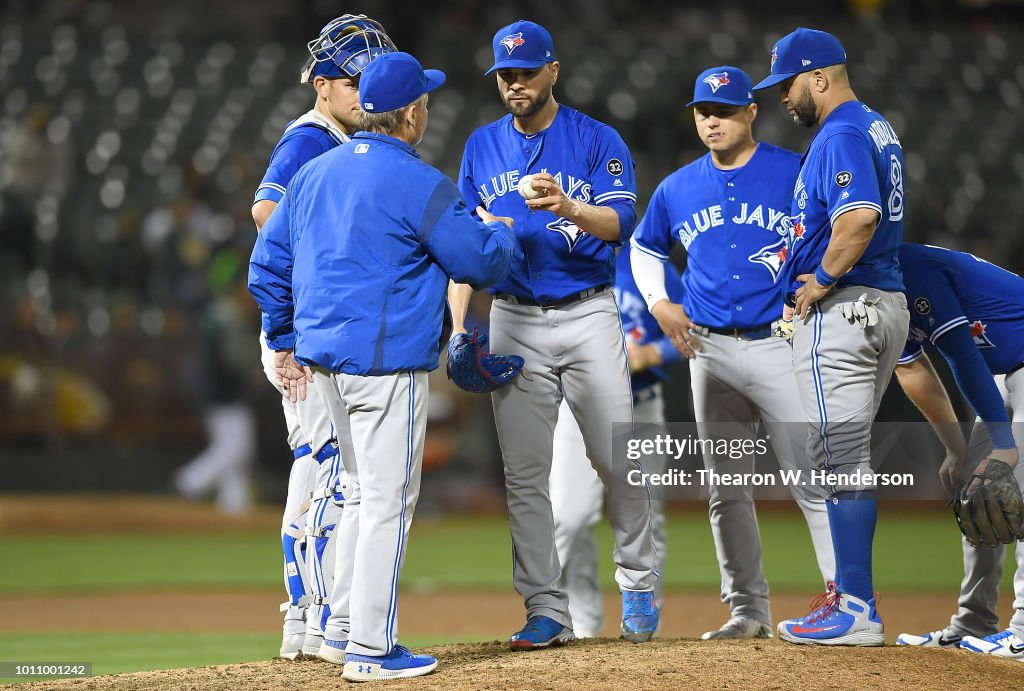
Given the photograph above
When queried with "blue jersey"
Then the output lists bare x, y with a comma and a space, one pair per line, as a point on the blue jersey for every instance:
733, 224
589, 161
304, 139
947, 289
854, 162
351, 270
639, 324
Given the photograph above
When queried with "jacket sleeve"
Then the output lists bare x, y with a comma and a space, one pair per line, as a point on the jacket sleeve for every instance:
468, 250
270, 277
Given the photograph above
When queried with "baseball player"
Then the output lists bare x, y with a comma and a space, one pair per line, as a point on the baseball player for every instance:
842, 278
576, 490
351, 272
727, 208
972, 313
557, 310
314, 503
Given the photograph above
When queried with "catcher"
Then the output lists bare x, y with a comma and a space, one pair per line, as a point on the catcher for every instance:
972, 312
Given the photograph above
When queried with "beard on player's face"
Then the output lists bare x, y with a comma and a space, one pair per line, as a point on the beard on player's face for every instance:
529, 106
805, 113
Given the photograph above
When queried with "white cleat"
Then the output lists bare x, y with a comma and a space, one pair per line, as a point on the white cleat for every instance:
935, 639
1003, 644
739, 627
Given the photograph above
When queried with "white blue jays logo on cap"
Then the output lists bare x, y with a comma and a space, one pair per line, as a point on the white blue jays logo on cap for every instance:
512, 41
716, 81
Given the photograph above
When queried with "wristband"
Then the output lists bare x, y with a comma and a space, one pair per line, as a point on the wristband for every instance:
822, 277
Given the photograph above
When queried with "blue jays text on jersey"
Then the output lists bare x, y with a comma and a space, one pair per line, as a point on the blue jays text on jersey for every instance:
854, 162
590, 162
304, 139
734, 226
351, 270
947, 289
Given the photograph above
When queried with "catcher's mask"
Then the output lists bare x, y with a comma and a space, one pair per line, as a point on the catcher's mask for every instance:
344, 47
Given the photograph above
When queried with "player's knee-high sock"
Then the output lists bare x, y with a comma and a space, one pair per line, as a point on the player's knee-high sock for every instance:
852, 517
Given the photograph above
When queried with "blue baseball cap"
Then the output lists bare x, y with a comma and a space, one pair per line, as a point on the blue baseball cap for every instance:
522, 44
802, 51
726, 84
394, 80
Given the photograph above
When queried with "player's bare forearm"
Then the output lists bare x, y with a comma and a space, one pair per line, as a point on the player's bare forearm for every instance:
925, 390
459, 295
600, 221
261, 211
851, 234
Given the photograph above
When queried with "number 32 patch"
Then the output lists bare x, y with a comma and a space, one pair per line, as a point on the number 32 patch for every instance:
844, 178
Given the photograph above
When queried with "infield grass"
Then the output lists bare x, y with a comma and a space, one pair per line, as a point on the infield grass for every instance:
913, 551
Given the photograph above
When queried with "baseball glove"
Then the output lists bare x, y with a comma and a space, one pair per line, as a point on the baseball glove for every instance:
474, 369
989, 507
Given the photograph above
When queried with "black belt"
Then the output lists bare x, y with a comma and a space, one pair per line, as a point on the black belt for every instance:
567, 300
754, 333
1020, 366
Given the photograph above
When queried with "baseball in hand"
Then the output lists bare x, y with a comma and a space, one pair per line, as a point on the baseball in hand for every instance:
526, 188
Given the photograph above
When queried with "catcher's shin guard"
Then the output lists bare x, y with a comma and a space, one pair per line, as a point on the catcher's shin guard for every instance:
324, 514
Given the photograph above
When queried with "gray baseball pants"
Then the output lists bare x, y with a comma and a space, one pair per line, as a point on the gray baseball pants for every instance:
736, 384
842, 371
577, 496
576, 352
381, 422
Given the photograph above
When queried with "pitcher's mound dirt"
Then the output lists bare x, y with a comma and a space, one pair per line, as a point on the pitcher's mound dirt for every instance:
607, 664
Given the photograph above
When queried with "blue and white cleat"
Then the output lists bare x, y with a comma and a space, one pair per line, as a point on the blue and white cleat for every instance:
935, 639
1003, 644
639, 616
332, 651
400, 663
836, 619
540, 632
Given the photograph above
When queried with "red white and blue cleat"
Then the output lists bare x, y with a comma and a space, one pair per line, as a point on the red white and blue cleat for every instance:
1003, 644
836, 619
540, 632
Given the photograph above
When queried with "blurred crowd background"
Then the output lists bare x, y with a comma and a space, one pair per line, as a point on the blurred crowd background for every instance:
133, 136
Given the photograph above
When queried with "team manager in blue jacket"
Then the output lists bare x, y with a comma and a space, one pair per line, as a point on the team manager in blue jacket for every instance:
351, 271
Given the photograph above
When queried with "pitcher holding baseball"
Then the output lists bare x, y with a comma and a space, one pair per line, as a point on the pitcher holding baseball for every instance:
556, 309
